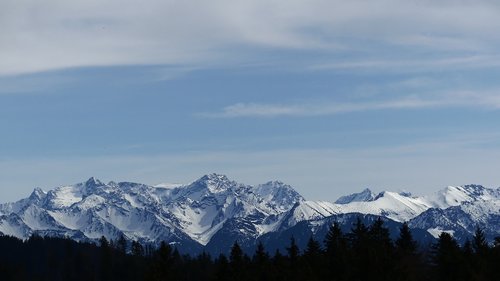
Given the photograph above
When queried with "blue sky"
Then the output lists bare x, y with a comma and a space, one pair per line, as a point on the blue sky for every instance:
328, 96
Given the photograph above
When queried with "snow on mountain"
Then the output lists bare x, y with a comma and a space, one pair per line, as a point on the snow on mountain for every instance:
278, 196
462, 220
152, 213
214, 209
456, 195
363, 196
13, 225
391, 205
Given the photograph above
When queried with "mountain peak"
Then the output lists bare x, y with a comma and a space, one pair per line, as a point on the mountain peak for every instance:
92, 182
214, 183
214, 177
363, 196
37, 194
279, 192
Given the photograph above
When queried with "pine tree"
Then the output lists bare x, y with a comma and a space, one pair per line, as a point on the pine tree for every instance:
408, 265
261, 256
236, 262
480, 259
313, 261
293, 251
313, 248
448, 259
479, 243
261, 262
137, 249
222, 270
336, 253
380, 234
162, 263
106, 262
405, 244
236, 255
359, 235
379, 251
121, 244
334, 238
103, 242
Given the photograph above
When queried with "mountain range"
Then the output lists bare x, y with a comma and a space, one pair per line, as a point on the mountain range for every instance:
212, 212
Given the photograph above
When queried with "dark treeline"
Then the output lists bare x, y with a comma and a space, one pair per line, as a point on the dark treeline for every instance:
365, 253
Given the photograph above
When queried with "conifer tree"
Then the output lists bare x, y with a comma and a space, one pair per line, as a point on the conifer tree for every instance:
106, 262
236, 262
313, 248
103, 242
448, 259
121, 244
479, 243
379, 251
261, 256
293, 251
312, 262
222, 269
336, 252
407, 261
405, 244
137, 249
380, 234
261, 263
334, 238
236, 255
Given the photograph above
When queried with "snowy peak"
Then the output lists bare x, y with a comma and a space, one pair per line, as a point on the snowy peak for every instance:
93, 182
363, 196
456, 195
283, 196
37, 195
215, 183
208, 207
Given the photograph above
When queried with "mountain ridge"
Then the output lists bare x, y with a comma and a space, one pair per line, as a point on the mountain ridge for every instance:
214, 208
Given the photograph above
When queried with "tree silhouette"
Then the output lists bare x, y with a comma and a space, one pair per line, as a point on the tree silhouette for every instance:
336, 252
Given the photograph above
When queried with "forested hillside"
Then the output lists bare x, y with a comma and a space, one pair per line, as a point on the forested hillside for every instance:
364, 253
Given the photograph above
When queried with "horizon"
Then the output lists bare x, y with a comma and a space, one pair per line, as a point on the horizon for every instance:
182, 185
327, 96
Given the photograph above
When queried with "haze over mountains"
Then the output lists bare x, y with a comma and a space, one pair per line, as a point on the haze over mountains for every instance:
214, 211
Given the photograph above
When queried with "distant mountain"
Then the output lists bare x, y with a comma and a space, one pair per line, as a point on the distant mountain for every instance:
364, 196
214, 211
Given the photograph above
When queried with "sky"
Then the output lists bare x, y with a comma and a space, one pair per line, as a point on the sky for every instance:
330, 97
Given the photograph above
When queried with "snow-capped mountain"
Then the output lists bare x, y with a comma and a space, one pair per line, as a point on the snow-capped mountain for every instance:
364, 196
213, 211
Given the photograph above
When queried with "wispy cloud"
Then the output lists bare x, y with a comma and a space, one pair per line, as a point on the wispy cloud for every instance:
273, 110
487, 100
65, 34
428, 64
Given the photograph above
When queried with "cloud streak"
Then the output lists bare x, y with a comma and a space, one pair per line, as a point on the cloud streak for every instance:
466, 99
65, 34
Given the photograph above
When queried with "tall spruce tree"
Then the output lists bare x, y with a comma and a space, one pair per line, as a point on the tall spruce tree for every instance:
405, 244
336, 252
260, 262
448, 259
293, 251
261, 256
479, 243
312, 262
360, 258
379, 251
407, 263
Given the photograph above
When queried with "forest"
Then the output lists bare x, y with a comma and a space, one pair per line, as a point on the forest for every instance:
365, 253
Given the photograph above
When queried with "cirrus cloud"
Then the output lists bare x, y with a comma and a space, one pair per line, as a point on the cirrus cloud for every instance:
58, 34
